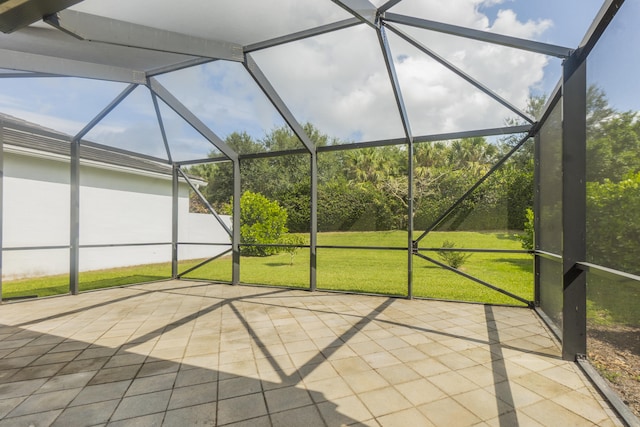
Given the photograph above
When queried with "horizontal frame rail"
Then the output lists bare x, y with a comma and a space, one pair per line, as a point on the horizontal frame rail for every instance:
608, 273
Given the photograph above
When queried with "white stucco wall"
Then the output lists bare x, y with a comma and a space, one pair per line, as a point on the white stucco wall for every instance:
116, 207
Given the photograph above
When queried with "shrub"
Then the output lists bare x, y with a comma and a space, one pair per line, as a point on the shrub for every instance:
452, 258
262, 221
293, 243
526, 238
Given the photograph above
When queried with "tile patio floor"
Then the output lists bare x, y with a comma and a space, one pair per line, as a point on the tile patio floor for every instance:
188, 353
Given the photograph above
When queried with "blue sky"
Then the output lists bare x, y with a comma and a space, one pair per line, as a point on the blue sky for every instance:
339, 82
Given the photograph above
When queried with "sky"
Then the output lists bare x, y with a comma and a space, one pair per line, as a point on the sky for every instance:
337, 81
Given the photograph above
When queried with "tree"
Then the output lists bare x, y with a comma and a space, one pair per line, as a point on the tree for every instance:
262, 221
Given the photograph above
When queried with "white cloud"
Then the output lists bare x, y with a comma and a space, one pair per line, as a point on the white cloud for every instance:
337, 81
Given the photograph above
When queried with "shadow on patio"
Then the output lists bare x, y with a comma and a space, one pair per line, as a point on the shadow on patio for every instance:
189, 353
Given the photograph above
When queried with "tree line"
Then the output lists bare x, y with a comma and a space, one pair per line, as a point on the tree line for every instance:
367, 188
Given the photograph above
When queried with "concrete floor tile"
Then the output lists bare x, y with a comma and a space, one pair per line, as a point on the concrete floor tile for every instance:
7, 405
238, 386
110, 375
420, 391
263, 421
344, 411
194, 395
328, 389
350, 365
45, 402
307, 416
125, 360
384, 401
87, 415
453, 383
153, 383
286, 398
141, 405
241, 408
84, 365
398, 374
152, 420
446, 412
157, 367
483, 404
549, 413
21, 388
408, 417
62, 382
365, 381
197, 415
101, 392
36, 420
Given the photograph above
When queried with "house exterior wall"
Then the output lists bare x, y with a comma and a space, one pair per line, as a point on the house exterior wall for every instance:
117, 206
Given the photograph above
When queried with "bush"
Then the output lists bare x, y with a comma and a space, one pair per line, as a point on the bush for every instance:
452, 258
613, 223
526, 238
293, 243
262, 222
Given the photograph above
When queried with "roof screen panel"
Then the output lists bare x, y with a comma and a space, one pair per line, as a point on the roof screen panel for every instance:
439, 101
184, 141
550, 21
513, 74
238, 21
338, 82
224, 96
53, 102
132, 126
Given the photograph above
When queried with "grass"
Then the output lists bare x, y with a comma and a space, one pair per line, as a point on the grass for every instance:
355, 270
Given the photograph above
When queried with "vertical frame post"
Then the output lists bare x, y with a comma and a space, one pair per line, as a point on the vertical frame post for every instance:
574, 136
313, 227
536, 219
411, 243
74, 225
1, 198
235, 238
174, 222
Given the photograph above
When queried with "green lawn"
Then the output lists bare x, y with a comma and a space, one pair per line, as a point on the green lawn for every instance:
358, 270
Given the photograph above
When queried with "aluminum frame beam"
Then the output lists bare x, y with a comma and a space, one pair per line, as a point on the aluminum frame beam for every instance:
106, 110
270, 92
1, 199
163, 133
301, 35
20, 61
459, 72
406, 125
265, 85
361, 9
99, 29
574, 206
191, 118
485, 36
174, 220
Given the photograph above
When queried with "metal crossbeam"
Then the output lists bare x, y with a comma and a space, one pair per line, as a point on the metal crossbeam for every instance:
264, 84
190, 118
120, 33
20, 61
300, 35
485, 36
361, 9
